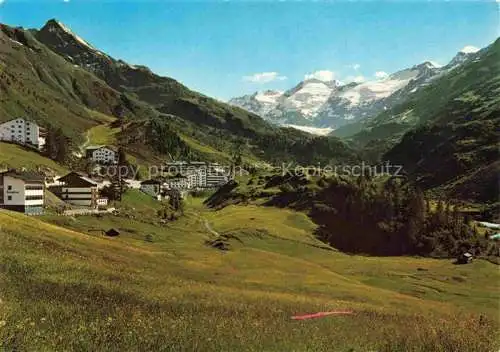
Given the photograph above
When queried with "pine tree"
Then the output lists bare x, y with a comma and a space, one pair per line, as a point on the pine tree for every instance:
56, 145
62, 146
122, 157
416, 217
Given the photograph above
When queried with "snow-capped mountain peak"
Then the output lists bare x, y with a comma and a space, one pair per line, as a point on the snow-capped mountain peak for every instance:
308, 96
469, 49
463, 55
429, 64
330, 104
268, 96
68, 37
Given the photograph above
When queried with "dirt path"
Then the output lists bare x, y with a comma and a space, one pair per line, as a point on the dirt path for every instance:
210, 229
81, 151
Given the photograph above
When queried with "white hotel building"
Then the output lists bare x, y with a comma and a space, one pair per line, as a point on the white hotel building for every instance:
21, 131
102, 155
22, 191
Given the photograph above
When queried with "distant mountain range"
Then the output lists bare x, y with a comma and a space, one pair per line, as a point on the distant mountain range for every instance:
440, 123
319, 107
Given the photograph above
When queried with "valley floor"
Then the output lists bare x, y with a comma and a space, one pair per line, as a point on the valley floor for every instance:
160, 287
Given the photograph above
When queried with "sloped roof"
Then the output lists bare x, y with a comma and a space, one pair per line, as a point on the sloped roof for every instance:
82, 176
25, 175
21, 118
150, 182
95, 147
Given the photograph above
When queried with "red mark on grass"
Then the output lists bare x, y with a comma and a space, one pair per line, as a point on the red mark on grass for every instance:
321, 314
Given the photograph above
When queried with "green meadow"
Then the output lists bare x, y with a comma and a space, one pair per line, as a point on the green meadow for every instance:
160, 287
18, 157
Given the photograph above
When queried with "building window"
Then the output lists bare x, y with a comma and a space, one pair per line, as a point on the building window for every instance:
9, 188
40, 197
34, 187
9, 197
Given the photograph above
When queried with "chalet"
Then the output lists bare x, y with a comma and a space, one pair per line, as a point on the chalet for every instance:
112, 233
22, 191
102, 154
151, 187
464, 258
22, 131
79, 189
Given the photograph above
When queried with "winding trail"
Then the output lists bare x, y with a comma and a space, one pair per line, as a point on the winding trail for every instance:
210, 229
82, 146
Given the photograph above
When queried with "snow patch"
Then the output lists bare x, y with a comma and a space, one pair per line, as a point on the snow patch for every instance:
312, 130
269, 96
434, 64
16, 42
370, 91
309, 98
469, 49
76, 37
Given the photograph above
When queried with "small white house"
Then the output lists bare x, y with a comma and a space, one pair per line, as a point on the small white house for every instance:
22, 191
151, 187
22, 131
102, 154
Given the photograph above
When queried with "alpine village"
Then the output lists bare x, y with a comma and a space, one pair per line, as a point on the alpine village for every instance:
140, 215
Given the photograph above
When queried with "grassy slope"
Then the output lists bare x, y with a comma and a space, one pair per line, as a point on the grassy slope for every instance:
41, 85
15, 156
102, 135
176, 293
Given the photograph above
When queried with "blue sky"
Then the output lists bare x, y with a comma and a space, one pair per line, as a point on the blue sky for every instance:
230, 48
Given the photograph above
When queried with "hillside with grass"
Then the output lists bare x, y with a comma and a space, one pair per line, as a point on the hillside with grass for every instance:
236, 268
76, 88
468, 92
365, 215
159, 286
38, 84
445, 133
13, 156
460, 136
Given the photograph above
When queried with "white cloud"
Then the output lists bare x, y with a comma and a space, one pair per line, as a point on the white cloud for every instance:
264, 77
357, 79
381, 74
468, 49
322, 75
